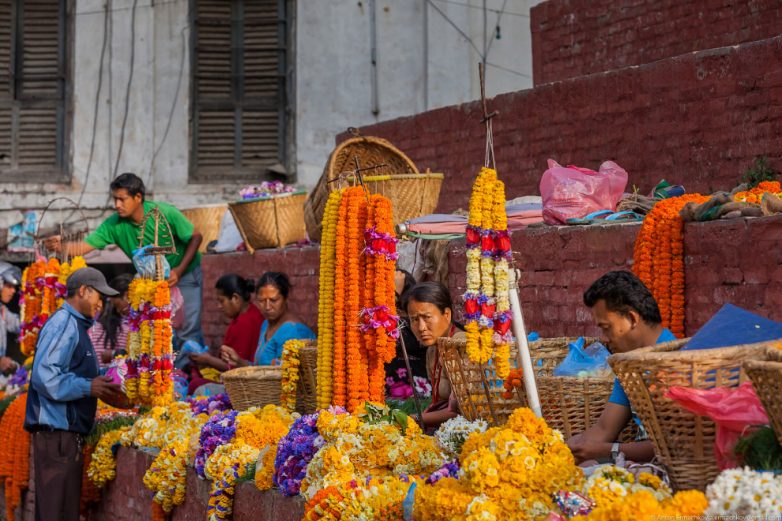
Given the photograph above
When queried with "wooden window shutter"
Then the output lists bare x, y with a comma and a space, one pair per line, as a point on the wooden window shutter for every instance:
32, 115
239, 88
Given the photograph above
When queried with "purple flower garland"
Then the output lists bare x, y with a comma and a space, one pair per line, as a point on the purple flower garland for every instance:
219, 430
294, 452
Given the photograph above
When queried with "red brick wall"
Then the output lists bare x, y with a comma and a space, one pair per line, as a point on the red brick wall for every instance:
300, 264
127, 499
737, 261
572, 38
698, 119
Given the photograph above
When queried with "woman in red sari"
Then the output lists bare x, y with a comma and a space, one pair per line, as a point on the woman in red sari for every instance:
430, 311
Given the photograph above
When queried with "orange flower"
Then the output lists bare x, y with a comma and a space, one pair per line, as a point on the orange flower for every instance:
14, 454
340, 282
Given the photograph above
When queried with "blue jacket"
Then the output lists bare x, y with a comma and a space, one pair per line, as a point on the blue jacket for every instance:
64, 366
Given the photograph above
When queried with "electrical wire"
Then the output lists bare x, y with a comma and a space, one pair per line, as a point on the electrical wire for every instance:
506, 69
153, 4
130, 83
456, 27
496, 28
511, 13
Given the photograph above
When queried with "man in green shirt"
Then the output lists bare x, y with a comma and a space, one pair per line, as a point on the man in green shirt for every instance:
123, 229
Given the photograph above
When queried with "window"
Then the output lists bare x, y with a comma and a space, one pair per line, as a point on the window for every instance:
32, 90
240, 112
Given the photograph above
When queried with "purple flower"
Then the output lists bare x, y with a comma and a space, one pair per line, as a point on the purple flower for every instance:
19, 378
219, 430
295, 451
401, 372
449, 470
217, 403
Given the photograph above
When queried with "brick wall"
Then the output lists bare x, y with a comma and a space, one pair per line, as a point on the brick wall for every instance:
127, 499
572, 38
737, 261
300, 264
698, 119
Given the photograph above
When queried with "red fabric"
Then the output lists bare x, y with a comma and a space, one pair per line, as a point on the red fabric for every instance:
243, 333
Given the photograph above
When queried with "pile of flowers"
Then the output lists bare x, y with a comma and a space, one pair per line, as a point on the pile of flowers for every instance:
745, 493
294, 453
357, 283
375, 442
689, 504
42, 292
508, 472
374, 498
149, 380
14, 454
487, 301
755, 195
452, 434
658, 258
610, 484
266, 190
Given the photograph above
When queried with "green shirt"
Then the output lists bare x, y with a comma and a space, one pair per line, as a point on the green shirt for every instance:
125, 233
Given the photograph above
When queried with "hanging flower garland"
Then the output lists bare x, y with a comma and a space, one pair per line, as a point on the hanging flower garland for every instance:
486, 301
14, 454
326, 300
291, 367
356, 355
339, 374
149, 379
658, 258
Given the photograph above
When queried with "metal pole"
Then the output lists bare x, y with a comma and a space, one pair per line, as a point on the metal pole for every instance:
523, 358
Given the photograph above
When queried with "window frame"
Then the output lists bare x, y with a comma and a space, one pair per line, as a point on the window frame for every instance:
285, 121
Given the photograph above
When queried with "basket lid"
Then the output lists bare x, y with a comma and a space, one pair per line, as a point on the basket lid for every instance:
259, 372
370, 151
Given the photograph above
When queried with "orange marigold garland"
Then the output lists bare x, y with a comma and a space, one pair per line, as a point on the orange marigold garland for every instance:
340, 326
14, 454
755, 195
356, 362
658, 258
149, 363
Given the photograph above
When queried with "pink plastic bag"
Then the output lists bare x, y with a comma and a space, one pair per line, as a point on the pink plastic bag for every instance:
572, 192
177, 308
732, 409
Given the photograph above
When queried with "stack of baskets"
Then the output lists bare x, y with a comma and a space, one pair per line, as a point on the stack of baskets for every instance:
256, 386
207, 221
569, 404
270, 223
412, 194
684, 441
766, 376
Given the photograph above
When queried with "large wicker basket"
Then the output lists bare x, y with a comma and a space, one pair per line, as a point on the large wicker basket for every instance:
306, 395
569, 404
270, 223
253, 386
766, 377
412, 193
684, 441
207, 221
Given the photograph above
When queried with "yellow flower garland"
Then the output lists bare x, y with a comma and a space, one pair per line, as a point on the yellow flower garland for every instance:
103, 466
291, 365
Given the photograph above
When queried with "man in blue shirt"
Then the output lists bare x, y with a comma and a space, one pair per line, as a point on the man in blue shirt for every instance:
63, 396
627, 314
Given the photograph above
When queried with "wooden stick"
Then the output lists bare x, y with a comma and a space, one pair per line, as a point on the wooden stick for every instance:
411, 381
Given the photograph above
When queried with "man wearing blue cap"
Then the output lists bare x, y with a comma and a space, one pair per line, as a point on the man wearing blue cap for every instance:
63, 396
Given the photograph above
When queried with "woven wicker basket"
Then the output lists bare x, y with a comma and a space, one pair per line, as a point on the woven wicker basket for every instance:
306, 395
207, 220
684, 441
766, 377
253, 386
412, 194
270, 223
569, 404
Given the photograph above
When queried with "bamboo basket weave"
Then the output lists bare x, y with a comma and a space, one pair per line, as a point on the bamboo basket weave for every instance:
569, 404
270, 223
683, 441
766, 377
306, 395
253, 386
412, 194
207, 220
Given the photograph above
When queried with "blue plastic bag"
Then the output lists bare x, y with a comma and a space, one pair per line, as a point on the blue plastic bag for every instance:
145, 264
584, 361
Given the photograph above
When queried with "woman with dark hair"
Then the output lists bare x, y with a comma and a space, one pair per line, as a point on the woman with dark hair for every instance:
430, 311
234, 299
109, 334
397, 379
281, 324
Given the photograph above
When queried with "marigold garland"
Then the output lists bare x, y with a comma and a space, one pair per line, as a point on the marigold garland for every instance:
755, 195
340, 391
658, 258
103, 465
149, 378
326, 300
291, 366
14, 454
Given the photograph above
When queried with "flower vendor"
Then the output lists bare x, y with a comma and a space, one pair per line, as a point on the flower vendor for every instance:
123, 229
63, 396
281, 323
398, 386
629, 318
430, 310
10, 278
234, 299
109, 335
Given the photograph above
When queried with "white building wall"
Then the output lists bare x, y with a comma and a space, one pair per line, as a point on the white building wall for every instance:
422, 63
